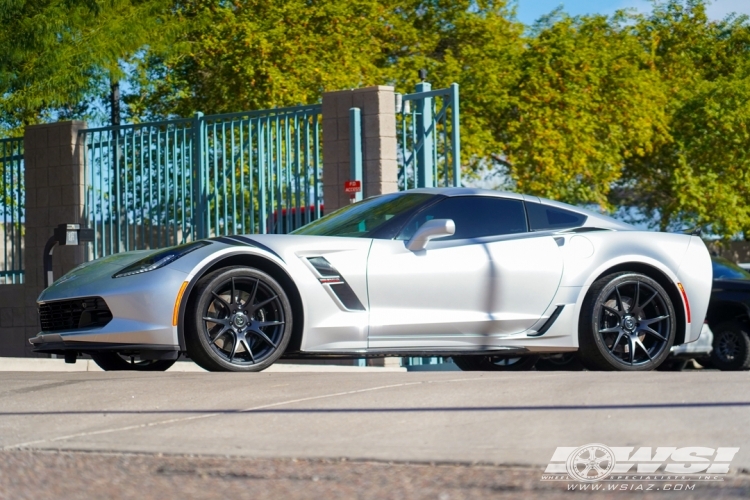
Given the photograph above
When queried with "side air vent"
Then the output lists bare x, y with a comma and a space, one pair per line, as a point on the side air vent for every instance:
331, 277
550, 321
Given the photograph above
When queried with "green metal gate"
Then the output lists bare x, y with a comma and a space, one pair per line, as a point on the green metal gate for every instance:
158, 184
12, 197
429, 137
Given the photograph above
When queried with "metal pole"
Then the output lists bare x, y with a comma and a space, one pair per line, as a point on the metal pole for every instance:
199, 194
425, 135
355, 149
455, 137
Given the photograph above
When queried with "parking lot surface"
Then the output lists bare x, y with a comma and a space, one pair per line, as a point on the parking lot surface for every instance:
504, 422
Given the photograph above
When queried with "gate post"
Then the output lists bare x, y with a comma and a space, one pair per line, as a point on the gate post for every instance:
199, 188
55, 184
425, 164
380, 169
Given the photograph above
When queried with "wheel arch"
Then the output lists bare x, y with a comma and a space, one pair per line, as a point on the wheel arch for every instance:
664, 280
256, 261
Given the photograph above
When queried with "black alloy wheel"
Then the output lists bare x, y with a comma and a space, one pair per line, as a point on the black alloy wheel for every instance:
241, 321
627, 323
731, 346
495, 363
115, 361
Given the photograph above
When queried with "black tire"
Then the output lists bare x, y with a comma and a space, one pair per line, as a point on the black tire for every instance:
567, 361
627, 323
112, 361
673, 365
240, 320
731, 346
495, 363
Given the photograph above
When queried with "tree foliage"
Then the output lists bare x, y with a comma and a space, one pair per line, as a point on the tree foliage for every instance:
647, 113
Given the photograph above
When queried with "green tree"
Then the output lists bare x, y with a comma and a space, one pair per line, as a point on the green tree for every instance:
59, 55
698, 177
586, 101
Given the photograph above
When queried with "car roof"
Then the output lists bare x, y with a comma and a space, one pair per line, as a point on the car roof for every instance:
594, 219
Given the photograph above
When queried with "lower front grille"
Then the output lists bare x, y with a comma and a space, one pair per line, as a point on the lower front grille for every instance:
73, 314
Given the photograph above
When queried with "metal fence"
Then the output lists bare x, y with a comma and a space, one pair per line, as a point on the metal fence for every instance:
429, 138
158, 184
12, 198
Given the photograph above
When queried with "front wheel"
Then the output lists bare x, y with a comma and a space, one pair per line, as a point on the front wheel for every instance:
495, 363
627, 323
241, 321
114, 361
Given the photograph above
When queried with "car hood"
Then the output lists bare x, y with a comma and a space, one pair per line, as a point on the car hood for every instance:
94, 270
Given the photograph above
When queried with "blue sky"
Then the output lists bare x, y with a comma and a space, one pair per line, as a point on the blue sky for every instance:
530, 10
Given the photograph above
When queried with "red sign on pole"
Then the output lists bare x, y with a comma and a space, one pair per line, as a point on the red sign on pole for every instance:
352, 186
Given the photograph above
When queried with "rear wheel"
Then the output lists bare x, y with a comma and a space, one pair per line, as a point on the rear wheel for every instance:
731, 346
495, 363
114, 361
241, 321
627, 323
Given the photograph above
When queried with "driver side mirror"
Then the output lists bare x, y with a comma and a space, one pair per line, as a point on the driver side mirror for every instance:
435, 228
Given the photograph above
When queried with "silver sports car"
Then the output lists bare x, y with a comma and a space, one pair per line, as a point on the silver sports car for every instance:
480, 276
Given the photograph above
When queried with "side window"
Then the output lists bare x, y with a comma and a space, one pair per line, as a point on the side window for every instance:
545, 218
474, 216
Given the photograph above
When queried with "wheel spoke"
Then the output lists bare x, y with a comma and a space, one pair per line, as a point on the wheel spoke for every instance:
656, 334
262, 335
246, 345
234, 347
654, 320
221, 332
649, 300
638, 342
270, 323
620, 304
617, 341
218, 321
632, 351
611, 329
233, 300
221, 301
613, 311
253, 293
261, 304
634, 307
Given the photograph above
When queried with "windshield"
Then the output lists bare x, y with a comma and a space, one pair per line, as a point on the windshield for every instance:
724, 269
361, 219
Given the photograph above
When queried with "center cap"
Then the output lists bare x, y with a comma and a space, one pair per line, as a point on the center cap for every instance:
628, 323
240, 320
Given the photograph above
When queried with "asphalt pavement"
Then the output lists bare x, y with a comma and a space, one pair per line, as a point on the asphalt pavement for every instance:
451, 418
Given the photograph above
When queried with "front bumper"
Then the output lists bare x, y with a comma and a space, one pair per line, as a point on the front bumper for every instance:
141, 308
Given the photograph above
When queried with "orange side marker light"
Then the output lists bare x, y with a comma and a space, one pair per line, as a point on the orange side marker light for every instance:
176, 313
685, 299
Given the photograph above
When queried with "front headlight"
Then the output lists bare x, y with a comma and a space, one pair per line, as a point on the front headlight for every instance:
159, 259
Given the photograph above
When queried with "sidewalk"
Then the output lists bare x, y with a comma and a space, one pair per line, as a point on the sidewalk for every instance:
87, 365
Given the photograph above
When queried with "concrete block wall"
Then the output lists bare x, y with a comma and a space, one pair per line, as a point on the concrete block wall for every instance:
379, 149
53, 164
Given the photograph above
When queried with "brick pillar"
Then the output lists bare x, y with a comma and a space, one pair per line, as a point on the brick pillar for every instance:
380, 169
53, 163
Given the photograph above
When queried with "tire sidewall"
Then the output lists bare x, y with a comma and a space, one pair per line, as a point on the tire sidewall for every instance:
208, 358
